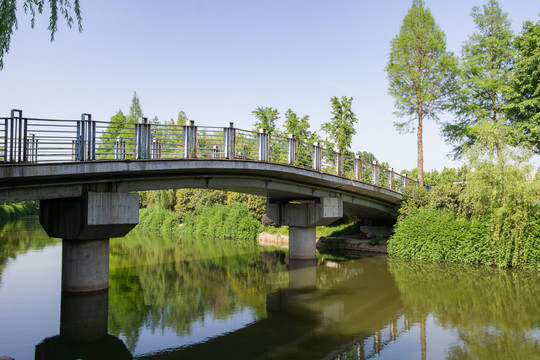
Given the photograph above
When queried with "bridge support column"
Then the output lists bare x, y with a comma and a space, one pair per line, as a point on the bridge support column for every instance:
85, 225
302, 220
303, 245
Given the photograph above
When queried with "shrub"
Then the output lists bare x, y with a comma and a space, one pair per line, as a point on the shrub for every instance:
221, 221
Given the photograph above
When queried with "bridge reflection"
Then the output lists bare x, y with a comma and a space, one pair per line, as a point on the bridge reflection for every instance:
314, 315
310, 317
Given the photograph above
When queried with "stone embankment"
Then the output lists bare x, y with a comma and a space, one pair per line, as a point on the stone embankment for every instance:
368, 239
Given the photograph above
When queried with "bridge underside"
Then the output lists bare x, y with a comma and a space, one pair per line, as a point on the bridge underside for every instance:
277, 181
87, 203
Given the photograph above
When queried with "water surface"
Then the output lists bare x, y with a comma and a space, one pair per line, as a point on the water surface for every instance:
172, 297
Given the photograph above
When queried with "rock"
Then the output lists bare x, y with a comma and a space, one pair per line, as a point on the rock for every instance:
373, 231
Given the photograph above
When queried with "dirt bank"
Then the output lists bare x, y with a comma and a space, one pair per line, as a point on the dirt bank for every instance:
369, 239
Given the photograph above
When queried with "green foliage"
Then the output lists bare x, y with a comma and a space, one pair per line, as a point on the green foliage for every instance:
492, 311
8, 18
366, 156
161, 199
121, 126
344, 226
440, 235
158, 219
299, 127
523, 106
486, 61
446, 176
490, 219
254, 204
12, 211
222, 221
422, 73
341, 127
162, 281
188, 200
266, 119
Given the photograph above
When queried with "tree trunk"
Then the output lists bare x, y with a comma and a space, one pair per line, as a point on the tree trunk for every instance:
420, 161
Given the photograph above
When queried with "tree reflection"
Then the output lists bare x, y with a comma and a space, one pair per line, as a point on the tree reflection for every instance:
19, 236
494, 311
161, 281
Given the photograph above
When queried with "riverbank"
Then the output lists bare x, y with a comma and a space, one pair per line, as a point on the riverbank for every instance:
368, 239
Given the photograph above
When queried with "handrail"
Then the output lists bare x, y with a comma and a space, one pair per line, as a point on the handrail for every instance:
32, 140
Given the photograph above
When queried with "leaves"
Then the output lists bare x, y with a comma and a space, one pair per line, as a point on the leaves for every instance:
422, 73
8, 18
341, 127
266, 119
420, 69
523, 106
486, 61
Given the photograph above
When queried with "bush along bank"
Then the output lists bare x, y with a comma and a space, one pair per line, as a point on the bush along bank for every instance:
471, 223
152, 218
222, 221
12, 211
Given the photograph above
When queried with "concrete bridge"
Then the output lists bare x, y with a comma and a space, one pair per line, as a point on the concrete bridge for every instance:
87, 173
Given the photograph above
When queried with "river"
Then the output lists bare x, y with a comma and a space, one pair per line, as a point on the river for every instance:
174, 297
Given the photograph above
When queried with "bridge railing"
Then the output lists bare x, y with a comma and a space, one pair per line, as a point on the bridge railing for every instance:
29, 140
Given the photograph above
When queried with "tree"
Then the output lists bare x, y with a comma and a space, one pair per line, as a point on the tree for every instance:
523, 107
366, 156
341, 127
182, 118
8, 18
266, 119
135, 110
486, 62
299, 127
422, 73
123, 126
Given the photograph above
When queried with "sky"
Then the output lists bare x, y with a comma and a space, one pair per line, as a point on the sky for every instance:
219, 60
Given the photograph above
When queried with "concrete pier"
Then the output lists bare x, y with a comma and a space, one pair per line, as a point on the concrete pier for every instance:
85, 265
85, 225
302, 219
302, 244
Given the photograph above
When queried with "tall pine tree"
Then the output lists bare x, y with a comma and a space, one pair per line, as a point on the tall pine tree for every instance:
422, 73
486, 62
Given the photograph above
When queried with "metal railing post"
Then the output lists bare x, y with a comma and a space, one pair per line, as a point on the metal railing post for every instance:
291, 149
357, 167
156, 149
6, 125
89, 137
147, 138
80, 141
143, 139
137, 140
262, 145
229, 141
32, 148
317, 156
190, 139
339, 163
120, 148
375, 171
215, 152
16, 138
390, 178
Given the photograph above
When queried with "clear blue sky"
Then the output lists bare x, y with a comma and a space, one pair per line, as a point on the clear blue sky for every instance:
218, 60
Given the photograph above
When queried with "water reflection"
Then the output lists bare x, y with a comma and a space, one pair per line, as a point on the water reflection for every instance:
495, 312
83, 331
195, 298
18, 237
